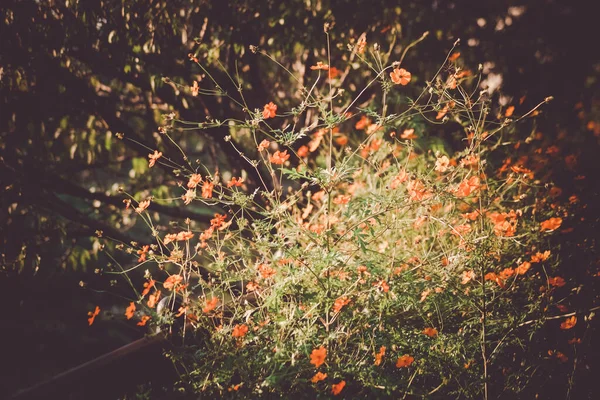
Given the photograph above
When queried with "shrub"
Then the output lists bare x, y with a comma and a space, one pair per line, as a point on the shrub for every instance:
373, 257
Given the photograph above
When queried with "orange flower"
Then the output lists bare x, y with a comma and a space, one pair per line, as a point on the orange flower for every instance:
181, 236
172, 281
442, 112
235, 182
408, 134
320, 65
472, 216
431, 332
302, 151
454, 57
239, 331
417, 191
550, 224
263, 145
317, 357
337, 388
279, 157
152, 158
568, 323
142, 205
362, 123
539, 257
265, 271
153, 299
184, 235
92, 315
142, 253
507, 273
340, 302
405, 360
210, 305
207, 189
400, 76
341, 199
234, 388
341, 140
218, 220
319, 376
130, 310
382, 285
467, 276
195, 179
379, 356
147, 286
189, 196
523, 268
269, 110
509, 111
207, 234
467, 186
556, 281
492, 276
143, 321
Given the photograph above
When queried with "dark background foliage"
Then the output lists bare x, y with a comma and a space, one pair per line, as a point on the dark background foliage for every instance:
73, 74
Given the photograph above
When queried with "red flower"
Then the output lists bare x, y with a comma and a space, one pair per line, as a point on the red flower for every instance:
334, 72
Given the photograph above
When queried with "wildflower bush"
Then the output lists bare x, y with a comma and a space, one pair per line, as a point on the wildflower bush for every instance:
360, 254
